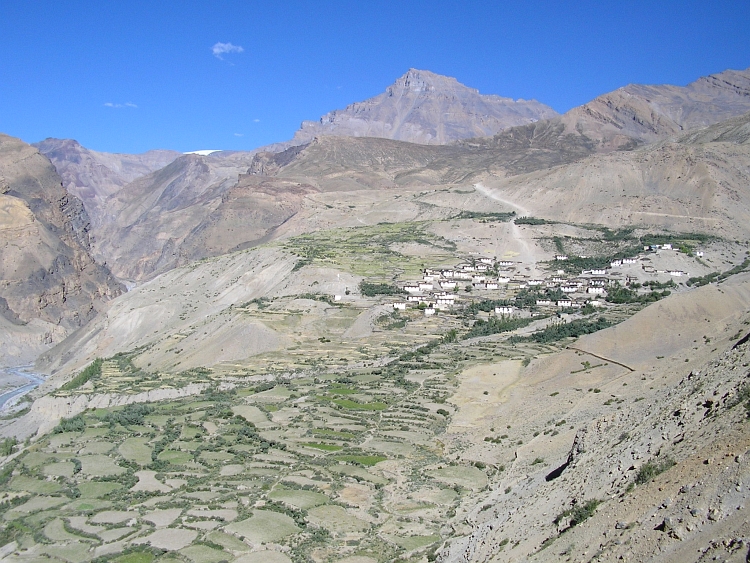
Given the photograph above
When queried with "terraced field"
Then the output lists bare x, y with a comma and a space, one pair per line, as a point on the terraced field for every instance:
332, 465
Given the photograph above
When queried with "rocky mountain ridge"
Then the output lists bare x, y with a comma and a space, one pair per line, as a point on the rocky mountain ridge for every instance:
426, 108
648, 113
94, 176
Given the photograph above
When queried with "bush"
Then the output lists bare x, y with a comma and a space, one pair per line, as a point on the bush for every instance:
7, 445
558, 331
531, 221
497, 325
485, 216
372, 289
130, 415
625, 295
578, 513
651, 469
74, 424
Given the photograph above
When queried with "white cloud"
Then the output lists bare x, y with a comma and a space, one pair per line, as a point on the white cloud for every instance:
220, 49
125, 105
256, 120
239, 134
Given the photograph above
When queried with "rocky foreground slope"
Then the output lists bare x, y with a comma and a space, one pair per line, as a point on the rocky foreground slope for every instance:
644, 456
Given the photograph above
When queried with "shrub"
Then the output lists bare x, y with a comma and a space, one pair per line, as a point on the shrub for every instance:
130, 415
497, 325
7, 445
372, 289
578, 513
558, 331
651, 469
74, 424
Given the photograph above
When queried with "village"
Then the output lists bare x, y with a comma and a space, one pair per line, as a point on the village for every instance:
502, 280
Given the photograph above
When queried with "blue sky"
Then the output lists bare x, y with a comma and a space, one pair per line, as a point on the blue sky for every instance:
130, 76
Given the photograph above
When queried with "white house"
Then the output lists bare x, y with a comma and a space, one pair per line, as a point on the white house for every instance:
503, 310
569, 288
488, 261
630, 260
666, 246
543, 302
429, 312
492, 285
399, 306
595, 290
533, 283
424, 286
599, 272
505, 263
615, 263
503, 279
560, 257
564, 303
411, 288
448, 284
337, 298
699, 254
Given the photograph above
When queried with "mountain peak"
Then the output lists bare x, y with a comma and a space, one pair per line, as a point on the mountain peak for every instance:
427, 108
422, 81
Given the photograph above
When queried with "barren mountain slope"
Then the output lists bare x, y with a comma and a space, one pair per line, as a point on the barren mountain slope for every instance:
648, 113
145, 222
203, 206
605, 425
427, 108
94, 176
697, 182
51, 285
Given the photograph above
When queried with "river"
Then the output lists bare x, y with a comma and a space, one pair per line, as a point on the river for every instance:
33, 379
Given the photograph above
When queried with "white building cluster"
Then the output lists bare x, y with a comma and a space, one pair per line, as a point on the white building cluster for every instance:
442, 289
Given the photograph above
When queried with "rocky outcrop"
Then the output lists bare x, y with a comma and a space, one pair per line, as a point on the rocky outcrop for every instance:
49, 278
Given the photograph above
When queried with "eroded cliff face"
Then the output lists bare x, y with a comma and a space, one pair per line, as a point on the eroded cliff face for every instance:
50, 284
94, 176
